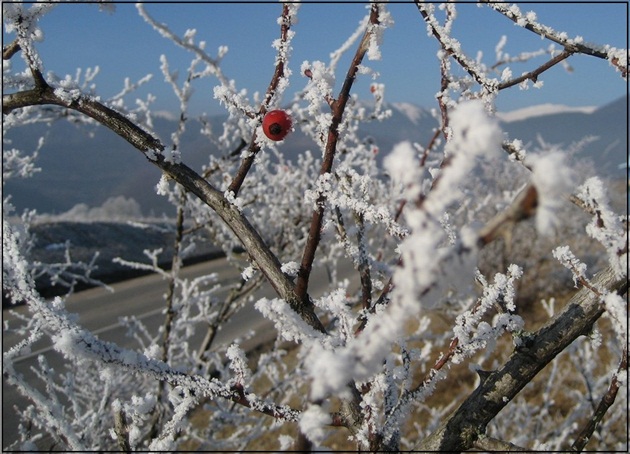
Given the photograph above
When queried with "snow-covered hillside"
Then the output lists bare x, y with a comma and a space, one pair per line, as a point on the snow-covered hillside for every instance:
542, 110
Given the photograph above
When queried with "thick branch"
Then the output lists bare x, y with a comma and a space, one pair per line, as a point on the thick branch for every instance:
463, 427
246, 233
10, 50
523, 207
494, 445
118, 123
122, 431
184, 175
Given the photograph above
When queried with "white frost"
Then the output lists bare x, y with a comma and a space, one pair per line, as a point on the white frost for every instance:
553, 180
313, 422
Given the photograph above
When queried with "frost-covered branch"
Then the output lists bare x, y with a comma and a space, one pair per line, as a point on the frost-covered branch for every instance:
459, 431
87, 105
369, 354
11, 49
75, 342
277, 85
213, 64
452, 47
617, 57
337, 107
152, 148
533, 75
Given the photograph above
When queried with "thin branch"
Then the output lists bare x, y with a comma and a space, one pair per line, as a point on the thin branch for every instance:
175, 265
338, 107
227, 309
247, 234
108, 117
607, 400
533, 75
364, 264
278, 74
544, 31
451, 47
569, 45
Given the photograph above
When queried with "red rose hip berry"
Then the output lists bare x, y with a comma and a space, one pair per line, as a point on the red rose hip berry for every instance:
276, 124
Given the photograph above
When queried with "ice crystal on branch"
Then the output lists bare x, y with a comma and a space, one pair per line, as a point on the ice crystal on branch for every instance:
605, 227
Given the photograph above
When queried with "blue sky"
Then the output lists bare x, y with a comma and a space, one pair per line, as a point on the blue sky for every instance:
122, 44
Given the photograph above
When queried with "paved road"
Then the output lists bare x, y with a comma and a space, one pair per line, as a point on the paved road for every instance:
99, 311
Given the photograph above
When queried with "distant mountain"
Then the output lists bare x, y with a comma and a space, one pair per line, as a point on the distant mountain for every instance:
540, 111
92, 165
608, 123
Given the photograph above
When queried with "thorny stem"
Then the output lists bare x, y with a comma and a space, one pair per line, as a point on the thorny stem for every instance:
338, 106
278, 74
